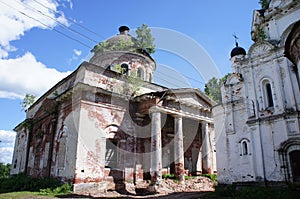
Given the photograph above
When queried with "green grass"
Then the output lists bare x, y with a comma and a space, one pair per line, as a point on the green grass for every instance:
22, 194
232, 192
213, 177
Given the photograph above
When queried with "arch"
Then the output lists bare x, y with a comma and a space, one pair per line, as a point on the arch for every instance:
244, 147
150, 77
111, 131
267, 92
289, 152
294, 157
292, 44
140, 73
285, 34
112, 138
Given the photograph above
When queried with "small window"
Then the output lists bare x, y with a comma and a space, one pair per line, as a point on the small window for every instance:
140, 73
150, 77
245, 148
268, 94
124, 69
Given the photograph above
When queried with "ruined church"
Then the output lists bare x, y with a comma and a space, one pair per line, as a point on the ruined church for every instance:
108, 123
257, 124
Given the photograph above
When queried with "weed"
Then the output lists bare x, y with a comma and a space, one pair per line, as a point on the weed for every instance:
213, 177
168, 176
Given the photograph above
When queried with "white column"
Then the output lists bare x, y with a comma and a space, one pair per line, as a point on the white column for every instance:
206, 149
156, 160
199, 159
178, 149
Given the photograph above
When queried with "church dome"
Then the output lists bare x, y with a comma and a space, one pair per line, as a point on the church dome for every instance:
120, 42
121, 54
123, 37
237, 51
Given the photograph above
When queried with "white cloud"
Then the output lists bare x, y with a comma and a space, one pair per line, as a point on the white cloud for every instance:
75, 56
77, 52
14, 23
7, 145
26, 75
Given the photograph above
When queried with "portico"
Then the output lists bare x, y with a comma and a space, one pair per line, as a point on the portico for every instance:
181, 137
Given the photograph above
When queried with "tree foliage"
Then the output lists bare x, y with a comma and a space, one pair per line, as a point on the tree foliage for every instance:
4, 170
132, 84
145, 39
264, 3
27, 101
213, 88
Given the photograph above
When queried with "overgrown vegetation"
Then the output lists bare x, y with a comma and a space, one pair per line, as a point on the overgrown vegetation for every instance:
260, 34
264, 4
254, 192
133, 82
168, 176
4, 170
144, 41
213, 177
27, 101
44, 186
213, 88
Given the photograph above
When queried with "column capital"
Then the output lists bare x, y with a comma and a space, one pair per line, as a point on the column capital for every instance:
154, 109
177, 116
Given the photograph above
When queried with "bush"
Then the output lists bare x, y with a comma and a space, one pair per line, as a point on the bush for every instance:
4, 170
21, 182
63, 189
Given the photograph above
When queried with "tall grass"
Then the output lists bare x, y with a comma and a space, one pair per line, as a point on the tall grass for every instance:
21, 182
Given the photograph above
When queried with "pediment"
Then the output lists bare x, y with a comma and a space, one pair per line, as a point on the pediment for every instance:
259, 48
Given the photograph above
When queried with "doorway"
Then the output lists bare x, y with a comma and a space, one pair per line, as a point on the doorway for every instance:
295, 165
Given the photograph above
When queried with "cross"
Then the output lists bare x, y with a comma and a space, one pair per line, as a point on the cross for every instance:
235, 39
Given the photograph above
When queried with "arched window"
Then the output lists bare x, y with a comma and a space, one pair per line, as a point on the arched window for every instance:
244, 147
140, 73
124, 68
268, 94
111, 153
150, 77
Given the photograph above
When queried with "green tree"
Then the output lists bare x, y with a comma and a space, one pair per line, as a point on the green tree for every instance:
264, 3
4, 170
213, 88
145, 39
27, 101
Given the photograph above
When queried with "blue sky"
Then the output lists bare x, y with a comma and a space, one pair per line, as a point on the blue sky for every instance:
34, 53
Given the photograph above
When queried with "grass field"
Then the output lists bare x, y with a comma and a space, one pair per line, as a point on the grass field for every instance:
24, 195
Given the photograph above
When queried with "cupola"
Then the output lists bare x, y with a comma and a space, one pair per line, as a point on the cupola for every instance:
237, 50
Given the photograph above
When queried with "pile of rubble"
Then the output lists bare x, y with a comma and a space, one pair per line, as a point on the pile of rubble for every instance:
166, 187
